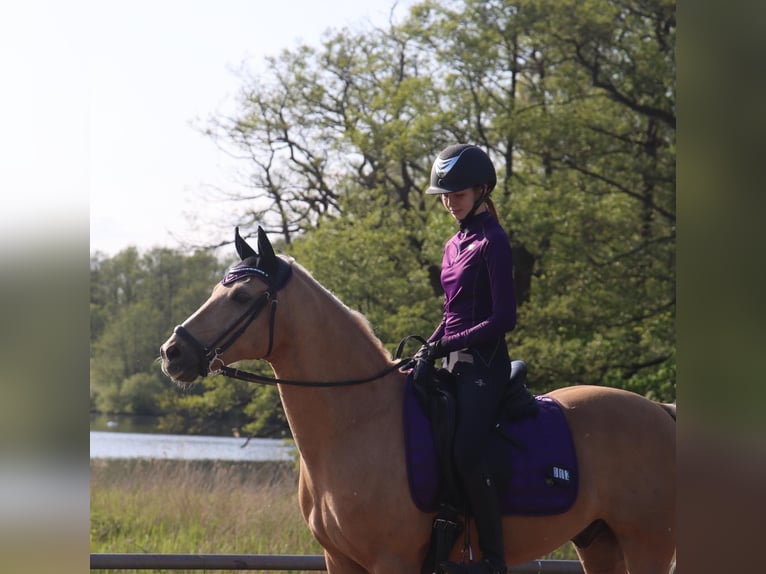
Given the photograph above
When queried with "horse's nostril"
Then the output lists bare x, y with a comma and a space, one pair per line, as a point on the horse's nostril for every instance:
171, 352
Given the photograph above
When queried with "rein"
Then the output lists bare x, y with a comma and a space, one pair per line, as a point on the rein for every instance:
210, 362
263, 380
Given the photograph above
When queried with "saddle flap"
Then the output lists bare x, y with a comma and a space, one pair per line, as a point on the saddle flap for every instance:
542, 444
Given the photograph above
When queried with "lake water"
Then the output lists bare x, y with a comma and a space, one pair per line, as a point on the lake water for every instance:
125, 445
126, 423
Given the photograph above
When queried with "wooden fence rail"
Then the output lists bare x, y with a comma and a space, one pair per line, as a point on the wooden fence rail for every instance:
273, 562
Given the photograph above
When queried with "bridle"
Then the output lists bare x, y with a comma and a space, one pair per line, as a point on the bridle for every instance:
209, 356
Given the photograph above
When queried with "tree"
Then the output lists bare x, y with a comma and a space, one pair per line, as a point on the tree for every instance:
367, 261
135, 301
604, 298
574, 102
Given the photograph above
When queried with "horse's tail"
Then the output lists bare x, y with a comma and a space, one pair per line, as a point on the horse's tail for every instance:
669, 408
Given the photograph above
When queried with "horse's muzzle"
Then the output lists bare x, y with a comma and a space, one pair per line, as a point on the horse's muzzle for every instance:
178, 362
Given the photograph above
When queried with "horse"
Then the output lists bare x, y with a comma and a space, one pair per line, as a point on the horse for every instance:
353, 484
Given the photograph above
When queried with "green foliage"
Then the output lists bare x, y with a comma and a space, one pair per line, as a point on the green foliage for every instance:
574, 101
369, 262
135, 301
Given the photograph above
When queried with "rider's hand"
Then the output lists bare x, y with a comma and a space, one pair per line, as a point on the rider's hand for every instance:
430, 351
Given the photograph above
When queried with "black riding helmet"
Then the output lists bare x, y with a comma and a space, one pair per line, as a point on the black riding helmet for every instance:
460, 166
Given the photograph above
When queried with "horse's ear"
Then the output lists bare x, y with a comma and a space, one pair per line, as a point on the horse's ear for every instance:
268, 260
243, 249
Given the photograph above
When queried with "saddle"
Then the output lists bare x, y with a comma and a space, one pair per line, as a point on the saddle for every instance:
436, 393
533, 459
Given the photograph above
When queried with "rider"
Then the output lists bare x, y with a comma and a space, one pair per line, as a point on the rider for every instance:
479, 308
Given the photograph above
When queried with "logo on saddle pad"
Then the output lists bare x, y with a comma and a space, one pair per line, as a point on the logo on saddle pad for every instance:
535, 456
559, 475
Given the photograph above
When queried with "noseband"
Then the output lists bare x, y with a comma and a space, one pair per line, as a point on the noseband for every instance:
209, 356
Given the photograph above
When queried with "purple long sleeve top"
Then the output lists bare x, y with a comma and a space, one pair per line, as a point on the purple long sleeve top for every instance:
477, 278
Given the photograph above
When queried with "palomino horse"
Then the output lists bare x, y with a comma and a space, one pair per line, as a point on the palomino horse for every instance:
354, 490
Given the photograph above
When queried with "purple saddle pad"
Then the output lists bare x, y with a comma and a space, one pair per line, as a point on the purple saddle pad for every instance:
540, 456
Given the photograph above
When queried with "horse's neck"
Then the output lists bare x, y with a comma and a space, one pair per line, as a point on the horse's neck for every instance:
318, 339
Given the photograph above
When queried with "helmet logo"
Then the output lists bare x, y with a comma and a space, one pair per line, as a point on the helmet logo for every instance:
443, 166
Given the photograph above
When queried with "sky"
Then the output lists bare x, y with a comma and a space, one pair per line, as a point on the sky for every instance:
99, 151
103, 102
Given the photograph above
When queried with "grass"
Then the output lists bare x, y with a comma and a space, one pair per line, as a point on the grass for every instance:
196, 507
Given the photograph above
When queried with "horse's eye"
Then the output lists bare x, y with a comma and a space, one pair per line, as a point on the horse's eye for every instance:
241, 296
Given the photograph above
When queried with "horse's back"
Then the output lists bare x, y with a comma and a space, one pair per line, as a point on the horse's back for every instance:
616, 406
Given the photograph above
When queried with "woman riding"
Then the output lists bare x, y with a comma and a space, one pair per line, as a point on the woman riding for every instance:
479, 308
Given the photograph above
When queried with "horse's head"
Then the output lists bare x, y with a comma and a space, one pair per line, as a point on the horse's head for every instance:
244, 300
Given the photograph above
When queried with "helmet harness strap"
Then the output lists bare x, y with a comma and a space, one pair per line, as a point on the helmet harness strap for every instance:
482, 198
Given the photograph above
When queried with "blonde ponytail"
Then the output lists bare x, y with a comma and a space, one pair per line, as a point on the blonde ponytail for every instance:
491, 207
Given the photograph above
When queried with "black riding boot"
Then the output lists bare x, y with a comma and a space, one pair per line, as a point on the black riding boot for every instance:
485, 507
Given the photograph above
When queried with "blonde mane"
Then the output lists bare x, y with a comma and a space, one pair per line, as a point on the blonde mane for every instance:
355, 316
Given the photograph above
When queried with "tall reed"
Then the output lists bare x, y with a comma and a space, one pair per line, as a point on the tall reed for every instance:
196, 507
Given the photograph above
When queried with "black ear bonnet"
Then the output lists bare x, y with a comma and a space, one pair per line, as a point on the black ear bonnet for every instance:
263, 264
